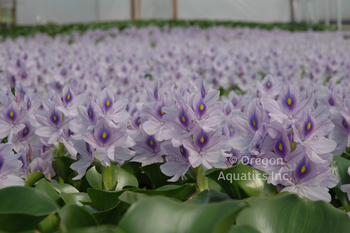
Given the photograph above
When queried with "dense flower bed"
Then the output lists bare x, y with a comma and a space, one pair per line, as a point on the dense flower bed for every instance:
107, 98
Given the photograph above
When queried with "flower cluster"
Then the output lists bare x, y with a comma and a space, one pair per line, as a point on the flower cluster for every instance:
113, 96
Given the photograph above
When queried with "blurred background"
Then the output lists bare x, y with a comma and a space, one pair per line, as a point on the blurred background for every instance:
43, 12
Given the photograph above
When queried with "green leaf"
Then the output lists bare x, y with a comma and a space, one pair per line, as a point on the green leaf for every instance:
94, 178
44, 187
155, 174
161, 214
243, 229
208, 196
64, 188
109, 181
124, 178
61, 165
104, 200
75, 198
129, 197
132, 167
203, 182
32, 178
339, 169
23, 205
289, 212
181, 192
50, 224
99, 229
73, 216
245, 181
109, 209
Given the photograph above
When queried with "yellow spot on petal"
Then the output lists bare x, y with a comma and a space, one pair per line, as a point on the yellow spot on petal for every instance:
280, 147
70, 131
228, 110
183, 119
231, 153
162, 112
151, 142
107, 103
201, 107
331, 102
68, 96
268, 84
308, 126
11, 114
331, 117
202, 139
303, 169
54, 118
234, 102
29, 104
104, 135
90, 113
182, 150
25, 131
138, 121
231, 129
289, 101
254, 123
38, 170
22, 94
203, 92
344, 123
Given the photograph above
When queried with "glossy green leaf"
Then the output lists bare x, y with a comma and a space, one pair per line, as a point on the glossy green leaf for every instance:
44, 187
75, 198
104, 200
23, 205
181, 192
61, 165
163, 215
289, 213
109, 181
73, 216
155, 174
204, 182
243, 229
124, 178
99, 229
130, 197
32, 178
64, 188
241, 181
208, 196
339, 169
132, 167
50, 224
94, 178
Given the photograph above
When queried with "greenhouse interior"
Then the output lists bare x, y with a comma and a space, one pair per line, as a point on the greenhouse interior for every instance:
174, 116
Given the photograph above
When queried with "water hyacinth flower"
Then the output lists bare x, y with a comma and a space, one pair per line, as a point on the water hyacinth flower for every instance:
69, 101
177, 163
207, 110
86, 120
310, 180
310, 135
10, 166
85, 159
52, 124
104, 138
206, 148
147, 149
287, 108
110, 110
12, 120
